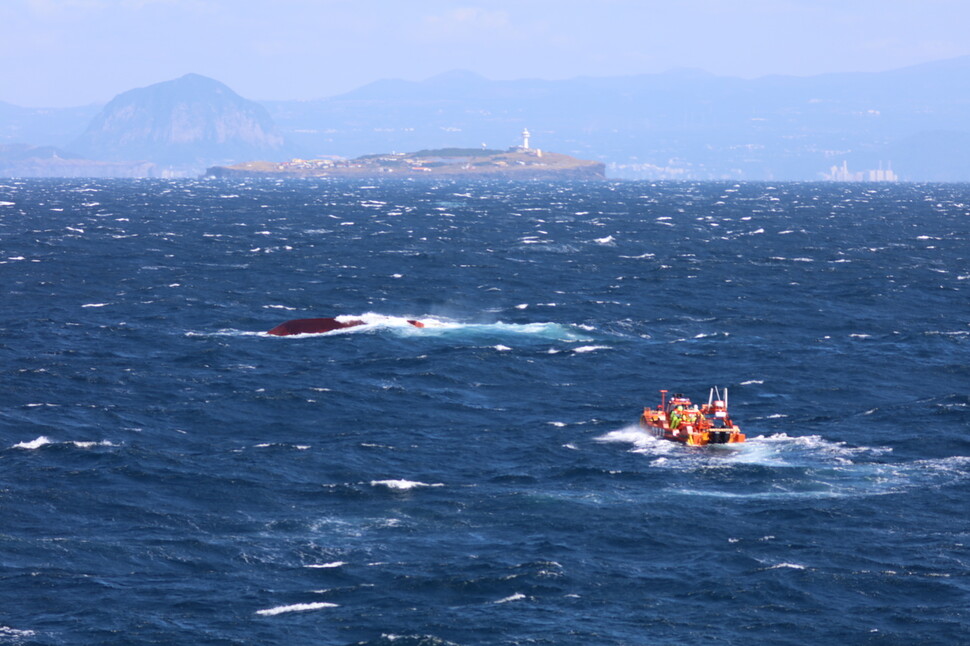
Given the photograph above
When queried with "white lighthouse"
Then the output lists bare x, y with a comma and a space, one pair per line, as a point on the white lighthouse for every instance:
525, 138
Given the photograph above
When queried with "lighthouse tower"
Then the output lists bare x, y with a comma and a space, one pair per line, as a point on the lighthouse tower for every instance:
525, 139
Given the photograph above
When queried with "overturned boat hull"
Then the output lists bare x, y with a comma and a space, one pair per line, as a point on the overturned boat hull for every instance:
319, 326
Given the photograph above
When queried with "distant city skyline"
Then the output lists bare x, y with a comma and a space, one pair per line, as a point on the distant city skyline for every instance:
65, 53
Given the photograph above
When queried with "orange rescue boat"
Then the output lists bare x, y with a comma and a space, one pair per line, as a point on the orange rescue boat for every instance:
679, 420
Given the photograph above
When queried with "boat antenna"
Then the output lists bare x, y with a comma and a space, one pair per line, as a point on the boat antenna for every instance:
663, 399
710, 396
725, 397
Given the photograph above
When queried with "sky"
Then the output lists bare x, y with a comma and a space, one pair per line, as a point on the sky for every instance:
65, 53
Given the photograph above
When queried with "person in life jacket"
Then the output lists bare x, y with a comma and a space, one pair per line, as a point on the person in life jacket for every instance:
695, 416
675, 417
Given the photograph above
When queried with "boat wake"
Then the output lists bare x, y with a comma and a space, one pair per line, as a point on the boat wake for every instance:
783, 466
641, 441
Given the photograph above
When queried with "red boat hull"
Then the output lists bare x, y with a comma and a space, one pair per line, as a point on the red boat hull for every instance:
692, 437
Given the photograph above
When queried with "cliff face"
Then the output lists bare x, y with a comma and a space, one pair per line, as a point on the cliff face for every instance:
191, 121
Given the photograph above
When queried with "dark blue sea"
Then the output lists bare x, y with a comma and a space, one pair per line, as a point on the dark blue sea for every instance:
170, 474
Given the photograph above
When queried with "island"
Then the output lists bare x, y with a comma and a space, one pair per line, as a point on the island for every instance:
520, 162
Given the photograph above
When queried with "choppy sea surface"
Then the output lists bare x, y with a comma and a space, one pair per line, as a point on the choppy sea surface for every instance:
170, 474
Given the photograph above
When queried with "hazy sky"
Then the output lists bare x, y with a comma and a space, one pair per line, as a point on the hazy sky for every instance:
75, 52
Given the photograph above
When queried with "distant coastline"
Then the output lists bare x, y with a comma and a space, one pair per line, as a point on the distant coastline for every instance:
515, 163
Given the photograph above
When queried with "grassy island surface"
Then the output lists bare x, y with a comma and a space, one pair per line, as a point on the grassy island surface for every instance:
516, 163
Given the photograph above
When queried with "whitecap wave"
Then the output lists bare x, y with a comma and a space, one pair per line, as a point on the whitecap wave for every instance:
791, 566
402, 485
33, 444
590, 348
225, 332
43, 440
295, 607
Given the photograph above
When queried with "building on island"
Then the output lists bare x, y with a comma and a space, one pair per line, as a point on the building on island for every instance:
524, 148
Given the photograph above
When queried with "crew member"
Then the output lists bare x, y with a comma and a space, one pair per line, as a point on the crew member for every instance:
675, 417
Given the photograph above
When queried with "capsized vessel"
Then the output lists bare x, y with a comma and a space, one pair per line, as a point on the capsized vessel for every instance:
679, 420
320, 325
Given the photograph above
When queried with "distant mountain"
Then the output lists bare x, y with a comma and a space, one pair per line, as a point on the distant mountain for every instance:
192, 121
680, 124
24, 160
21, 152
43, 126
941, 155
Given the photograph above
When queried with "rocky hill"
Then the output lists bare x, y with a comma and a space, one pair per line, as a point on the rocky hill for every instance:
192, 121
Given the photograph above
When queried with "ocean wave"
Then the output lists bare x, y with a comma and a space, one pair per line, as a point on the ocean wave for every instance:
14, 633
43, 440
787, 566
590, 348
402, 485
436, 466
33, 444
296, 607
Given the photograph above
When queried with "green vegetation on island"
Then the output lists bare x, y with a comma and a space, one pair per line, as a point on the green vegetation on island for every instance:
515, 163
